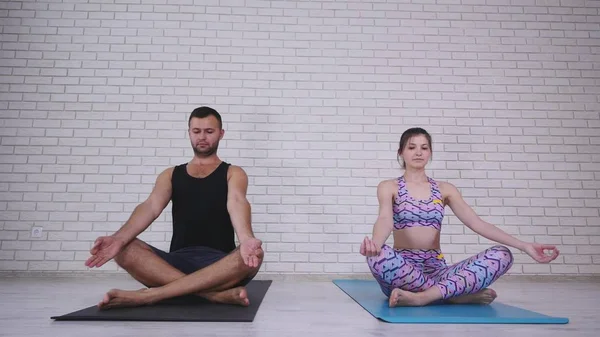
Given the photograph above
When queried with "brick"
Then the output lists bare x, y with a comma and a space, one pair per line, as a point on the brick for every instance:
96, 107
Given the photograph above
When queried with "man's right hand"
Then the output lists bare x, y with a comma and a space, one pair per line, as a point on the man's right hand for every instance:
105, 248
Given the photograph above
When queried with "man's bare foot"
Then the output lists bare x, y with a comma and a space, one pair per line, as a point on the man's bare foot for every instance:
404, 298
125, 298
238, 296
485, 296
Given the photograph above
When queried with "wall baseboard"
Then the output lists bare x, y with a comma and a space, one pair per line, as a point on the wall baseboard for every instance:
291, 277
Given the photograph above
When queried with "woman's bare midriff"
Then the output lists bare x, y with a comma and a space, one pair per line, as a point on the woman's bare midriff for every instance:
417, 238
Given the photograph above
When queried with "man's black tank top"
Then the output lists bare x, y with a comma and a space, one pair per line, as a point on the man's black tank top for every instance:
199, 210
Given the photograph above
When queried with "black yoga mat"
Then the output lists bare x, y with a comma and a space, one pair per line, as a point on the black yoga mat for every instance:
185, 308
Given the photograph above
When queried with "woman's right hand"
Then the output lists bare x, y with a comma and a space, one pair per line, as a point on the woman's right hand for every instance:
368, 248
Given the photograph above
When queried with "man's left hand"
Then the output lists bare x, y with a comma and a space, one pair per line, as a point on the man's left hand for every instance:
251, 252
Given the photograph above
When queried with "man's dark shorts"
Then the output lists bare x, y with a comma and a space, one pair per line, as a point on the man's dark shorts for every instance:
191, 259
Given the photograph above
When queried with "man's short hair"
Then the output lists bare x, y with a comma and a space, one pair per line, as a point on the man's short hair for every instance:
203, 112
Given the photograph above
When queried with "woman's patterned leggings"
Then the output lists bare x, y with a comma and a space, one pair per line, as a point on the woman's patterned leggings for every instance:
416, 270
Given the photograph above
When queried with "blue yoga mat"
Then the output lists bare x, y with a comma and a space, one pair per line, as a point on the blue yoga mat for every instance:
368, 294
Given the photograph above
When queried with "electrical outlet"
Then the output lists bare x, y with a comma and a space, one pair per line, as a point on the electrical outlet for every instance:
36, 232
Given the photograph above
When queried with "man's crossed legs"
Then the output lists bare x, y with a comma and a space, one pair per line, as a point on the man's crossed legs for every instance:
216, 276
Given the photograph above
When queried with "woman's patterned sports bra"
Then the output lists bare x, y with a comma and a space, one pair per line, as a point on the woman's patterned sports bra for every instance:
410, 212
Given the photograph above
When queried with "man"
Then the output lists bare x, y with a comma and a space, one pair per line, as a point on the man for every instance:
208, 204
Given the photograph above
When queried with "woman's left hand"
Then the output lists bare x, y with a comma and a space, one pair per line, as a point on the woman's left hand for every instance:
537, 251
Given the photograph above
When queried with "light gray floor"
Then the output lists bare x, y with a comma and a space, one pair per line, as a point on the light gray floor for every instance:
290, 308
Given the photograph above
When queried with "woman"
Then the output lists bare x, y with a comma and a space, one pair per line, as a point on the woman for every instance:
414, 272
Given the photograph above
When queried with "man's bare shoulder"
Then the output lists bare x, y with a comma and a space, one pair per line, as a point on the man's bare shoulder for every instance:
166, 174
236, 171
168, 170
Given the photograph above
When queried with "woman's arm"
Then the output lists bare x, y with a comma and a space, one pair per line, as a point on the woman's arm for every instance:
465, 214
384, 224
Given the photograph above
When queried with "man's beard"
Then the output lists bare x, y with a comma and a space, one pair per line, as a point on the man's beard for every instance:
207, 152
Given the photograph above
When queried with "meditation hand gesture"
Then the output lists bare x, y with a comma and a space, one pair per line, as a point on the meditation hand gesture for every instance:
368, 248
251, 250
537, 252
104, 249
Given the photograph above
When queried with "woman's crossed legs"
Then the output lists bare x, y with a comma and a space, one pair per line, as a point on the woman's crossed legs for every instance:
419, 277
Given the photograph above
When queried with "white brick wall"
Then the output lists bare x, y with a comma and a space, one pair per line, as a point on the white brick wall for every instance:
315, 94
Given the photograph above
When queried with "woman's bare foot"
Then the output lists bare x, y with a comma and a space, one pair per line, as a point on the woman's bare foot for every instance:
485, 296
238, 296
404, 298
124, 298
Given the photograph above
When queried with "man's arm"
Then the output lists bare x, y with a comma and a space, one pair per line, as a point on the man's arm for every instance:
237, 203
145, 213
107, 247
